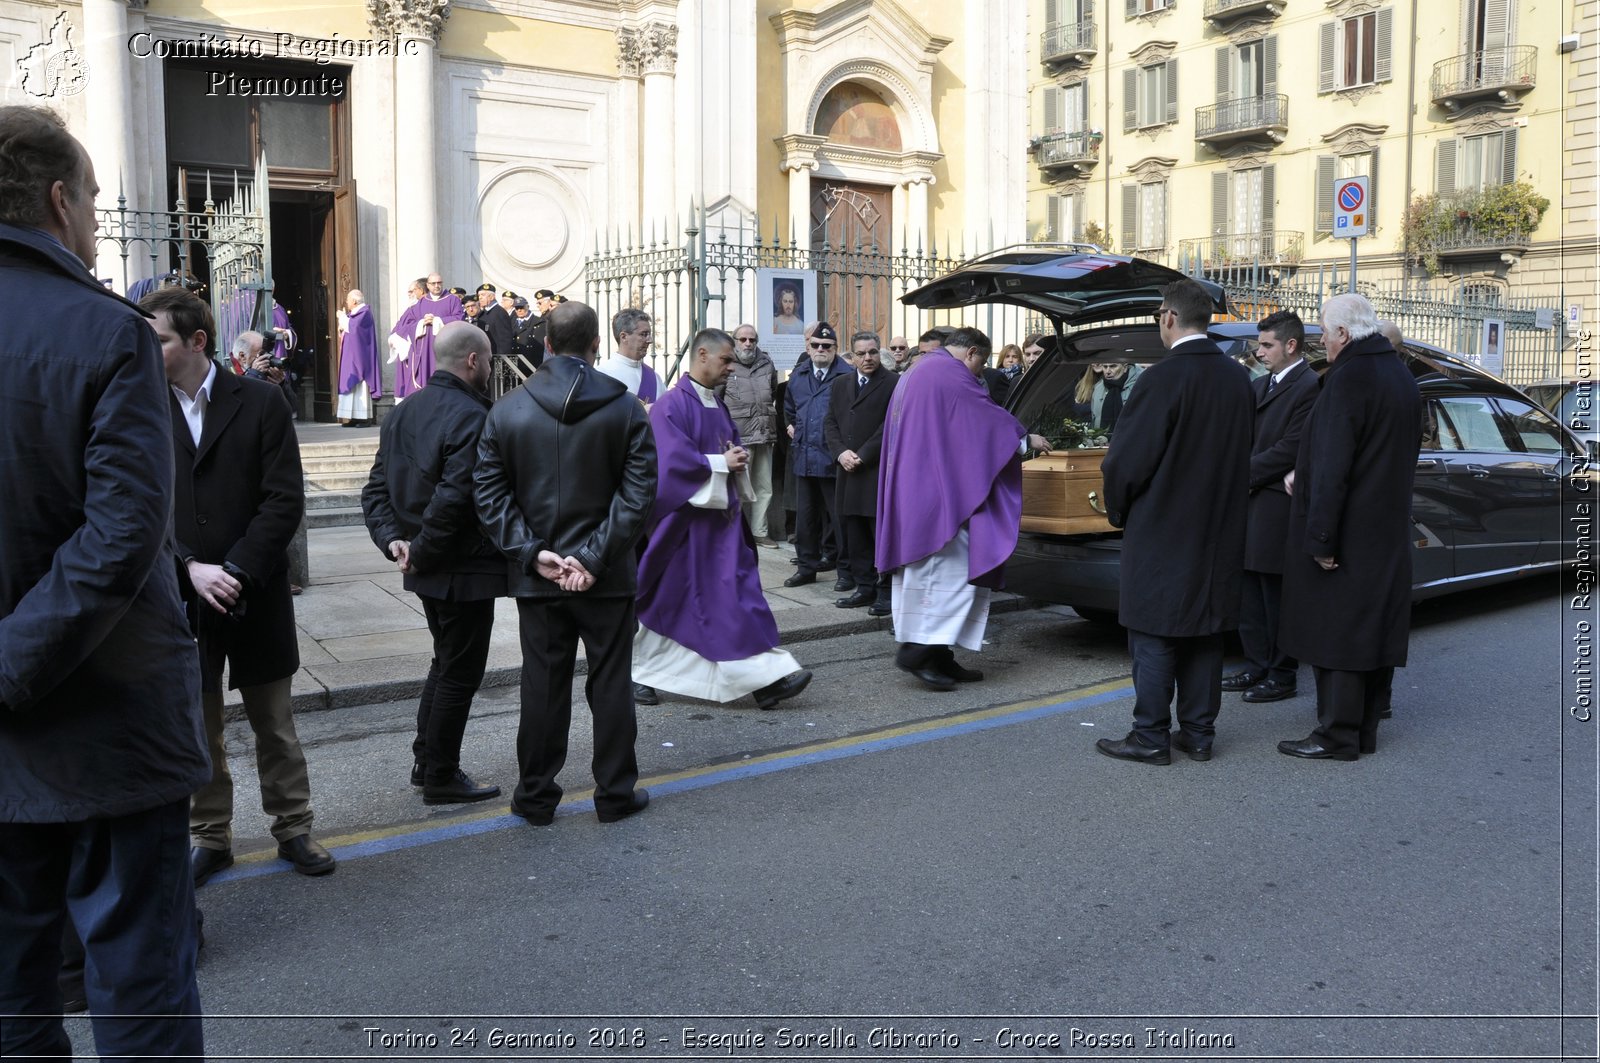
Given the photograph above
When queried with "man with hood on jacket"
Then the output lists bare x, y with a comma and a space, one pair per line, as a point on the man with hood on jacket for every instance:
566, 477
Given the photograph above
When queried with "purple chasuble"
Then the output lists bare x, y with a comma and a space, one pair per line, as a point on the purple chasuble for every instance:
280, 321
358, 354
699, 580
949, 459
649, 383
412, 375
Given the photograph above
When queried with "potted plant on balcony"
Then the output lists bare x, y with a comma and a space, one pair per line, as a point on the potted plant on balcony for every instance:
1498, 214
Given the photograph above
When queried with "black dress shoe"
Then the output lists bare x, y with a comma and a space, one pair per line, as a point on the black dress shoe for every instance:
643, 695
930, 678
787, 687
1196, 750
207, 862
827, 564
1311, 749
460, 790
845, 583
801, 578
417, 773
636, 804
944, 662
1241, 681
1369, 744
1131, 748
881, 607
856, 600
1269, 690
539, 817
307, 856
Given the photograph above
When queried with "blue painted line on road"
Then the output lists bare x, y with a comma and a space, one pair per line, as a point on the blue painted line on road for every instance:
410, 837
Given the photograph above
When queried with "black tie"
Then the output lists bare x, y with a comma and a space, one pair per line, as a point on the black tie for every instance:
1272, 382
819, 375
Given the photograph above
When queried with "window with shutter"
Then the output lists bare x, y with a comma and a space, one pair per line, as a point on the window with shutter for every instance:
1130, 100
1383, 45
1052, 110
1327, 34
1267, 213
1355, 51
1224, 72
1153, 215
1269, 66
1130, 217
1169, 77
1444, 167
1508, 157
1075, 226
1053, 219
1152, 95
1219, 204
1327, 167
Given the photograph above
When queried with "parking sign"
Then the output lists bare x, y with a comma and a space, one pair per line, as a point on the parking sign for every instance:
1351, 216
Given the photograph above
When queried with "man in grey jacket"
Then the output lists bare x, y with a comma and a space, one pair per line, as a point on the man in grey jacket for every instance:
101, 741
750, 393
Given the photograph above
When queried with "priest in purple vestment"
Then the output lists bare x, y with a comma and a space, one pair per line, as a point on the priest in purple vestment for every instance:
360, 376
632, 330
416, 329
705, 629
949, 506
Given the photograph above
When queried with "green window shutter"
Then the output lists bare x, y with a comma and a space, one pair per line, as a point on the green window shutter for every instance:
1172, 89
1384, 48
1130, 100
1224, 72
1219, 204
1130, 217
1325, 68
1327, 173
1444, 167
1269, 197
1508, 158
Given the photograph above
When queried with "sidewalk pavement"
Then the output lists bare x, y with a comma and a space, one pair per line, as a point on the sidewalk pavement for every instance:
363, 639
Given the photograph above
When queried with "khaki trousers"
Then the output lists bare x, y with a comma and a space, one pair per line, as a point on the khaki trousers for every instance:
761, 482
285, 782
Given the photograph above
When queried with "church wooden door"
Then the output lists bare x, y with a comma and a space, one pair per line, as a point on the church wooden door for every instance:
850, 245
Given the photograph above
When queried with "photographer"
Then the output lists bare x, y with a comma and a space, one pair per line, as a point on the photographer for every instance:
253, 351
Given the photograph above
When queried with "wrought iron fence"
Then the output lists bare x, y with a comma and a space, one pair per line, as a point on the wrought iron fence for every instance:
1486, 70
1273, 247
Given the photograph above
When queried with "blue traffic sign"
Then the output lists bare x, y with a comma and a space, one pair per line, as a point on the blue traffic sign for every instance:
1351, 196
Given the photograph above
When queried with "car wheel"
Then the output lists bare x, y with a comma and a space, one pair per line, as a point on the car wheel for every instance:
1102, 617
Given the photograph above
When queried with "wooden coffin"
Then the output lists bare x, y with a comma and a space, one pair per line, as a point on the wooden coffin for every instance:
1062, 493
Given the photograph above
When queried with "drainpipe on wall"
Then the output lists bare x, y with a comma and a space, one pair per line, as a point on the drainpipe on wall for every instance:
1105, 127
1411, 111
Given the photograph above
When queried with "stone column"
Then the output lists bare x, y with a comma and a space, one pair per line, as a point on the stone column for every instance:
417, 24
797, 158
658, 170
917, 213
627, 135
110, 106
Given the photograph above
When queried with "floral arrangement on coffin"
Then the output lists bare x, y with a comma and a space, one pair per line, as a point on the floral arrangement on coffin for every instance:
1069, 434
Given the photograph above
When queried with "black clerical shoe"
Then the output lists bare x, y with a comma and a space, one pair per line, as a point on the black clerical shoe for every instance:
307, 856
827, 564
460, 790
919, 661
844, 583
787, 687
1133, 748
856, 600
1240, 681
882, 607
643, 695
1269, 690
417, 778
801, 578
207, 862
1196, 748
1309, 748
539, 817
636, 804
943, 661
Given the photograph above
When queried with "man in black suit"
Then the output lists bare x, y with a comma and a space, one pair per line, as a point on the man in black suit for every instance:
566, 477
1175, 475
494, 321
1284, 396
805, 409
420, 512
527, 334
239, 499
1347, 566
857, 406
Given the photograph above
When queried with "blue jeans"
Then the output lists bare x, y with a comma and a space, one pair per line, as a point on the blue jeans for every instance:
126, 884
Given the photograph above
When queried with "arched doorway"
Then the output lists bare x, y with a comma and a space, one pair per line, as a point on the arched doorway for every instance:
851, 221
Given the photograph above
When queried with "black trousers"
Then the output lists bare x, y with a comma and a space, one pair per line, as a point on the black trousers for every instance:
860, 547
126, 884
1191, 665
1348, 704
814, 523
550, 629
461, 632
1258, 627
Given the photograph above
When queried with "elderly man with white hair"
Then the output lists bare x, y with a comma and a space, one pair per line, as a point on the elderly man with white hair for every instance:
1347, 572
360, 372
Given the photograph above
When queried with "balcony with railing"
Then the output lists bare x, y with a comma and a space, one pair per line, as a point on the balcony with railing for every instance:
1067, 42
1250, 118
1059, 151
1220, 11
1275, 247
1503, 73
1467, 225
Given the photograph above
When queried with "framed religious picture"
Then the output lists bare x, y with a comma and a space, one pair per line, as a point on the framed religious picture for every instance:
1491, 349
786, 301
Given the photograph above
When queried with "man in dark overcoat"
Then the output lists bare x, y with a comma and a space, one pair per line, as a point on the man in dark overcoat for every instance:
240, 495
1284, 395
1347, 569
1176, 479
419, 510
853, 429
805, 407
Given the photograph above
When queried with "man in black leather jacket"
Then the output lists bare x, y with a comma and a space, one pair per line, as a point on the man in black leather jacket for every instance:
420, 512
566, 477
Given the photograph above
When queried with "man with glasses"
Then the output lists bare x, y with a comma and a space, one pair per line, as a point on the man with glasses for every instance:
1176, 473
896, 357
631, 328
857, 406
750, 393
805, 406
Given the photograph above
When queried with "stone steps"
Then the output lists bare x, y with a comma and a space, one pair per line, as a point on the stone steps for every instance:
335, 473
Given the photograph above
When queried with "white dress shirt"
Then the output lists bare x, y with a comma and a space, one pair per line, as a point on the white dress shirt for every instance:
194, 410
